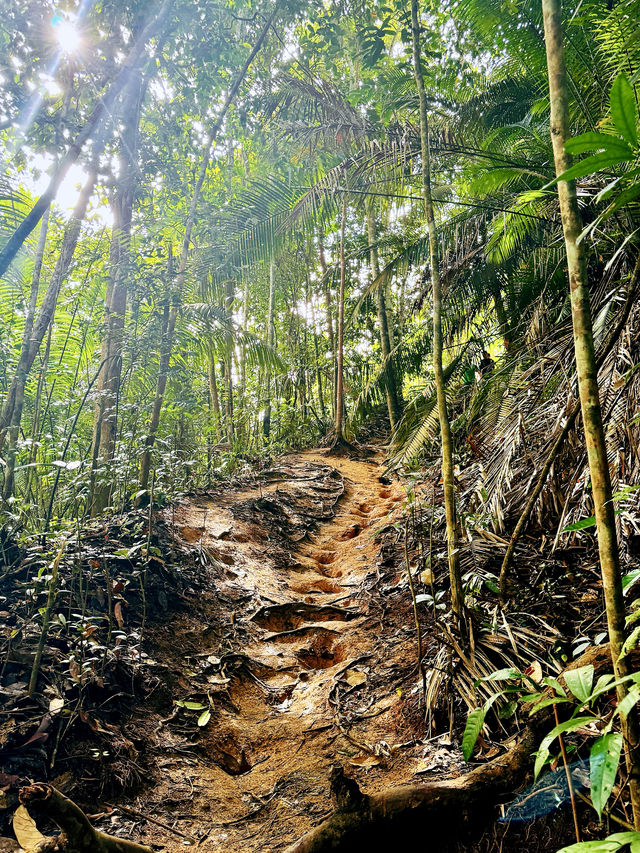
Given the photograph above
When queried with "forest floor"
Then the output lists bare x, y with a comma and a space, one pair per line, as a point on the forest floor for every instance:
325, 670
279, 641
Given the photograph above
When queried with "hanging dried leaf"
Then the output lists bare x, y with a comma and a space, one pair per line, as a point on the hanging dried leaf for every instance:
117, 612
26, 831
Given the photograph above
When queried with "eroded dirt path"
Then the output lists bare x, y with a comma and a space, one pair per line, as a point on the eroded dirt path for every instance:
298, 666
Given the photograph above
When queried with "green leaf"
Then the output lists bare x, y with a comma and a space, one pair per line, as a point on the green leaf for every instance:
544, 703
591, 165
623, 109
475, 722
627, 195
204, 718
580, 681
631, 642
595, 142
628, 702
580, 525
568, 726
555, 684
603, 768
194, 706
503, 675
629, 579
607, 845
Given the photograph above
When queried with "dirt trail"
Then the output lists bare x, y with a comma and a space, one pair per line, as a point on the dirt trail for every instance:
311, 684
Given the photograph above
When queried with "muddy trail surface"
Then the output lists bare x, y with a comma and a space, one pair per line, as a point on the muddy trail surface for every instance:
302, 656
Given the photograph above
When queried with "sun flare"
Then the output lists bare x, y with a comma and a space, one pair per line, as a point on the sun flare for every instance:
66, 34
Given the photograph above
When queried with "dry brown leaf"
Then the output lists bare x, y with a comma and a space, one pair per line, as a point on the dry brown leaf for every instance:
26, 831
365, 761
427, 577
117, 612
354, 677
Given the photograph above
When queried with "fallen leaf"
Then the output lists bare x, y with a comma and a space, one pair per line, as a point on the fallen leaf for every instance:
354, 677
427, 577
117, 612
55, 705
26, 831
365, 761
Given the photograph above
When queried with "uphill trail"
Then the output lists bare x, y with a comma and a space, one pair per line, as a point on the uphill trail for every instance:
295, 661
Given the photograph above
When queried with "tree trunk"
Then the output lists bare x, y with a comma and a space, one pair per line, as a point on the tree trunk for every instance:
168, 326
42, 322
587, 372
21, 372
339, 421
228, 308
393, 405
266, 423
329, 310
457, 593
106, 412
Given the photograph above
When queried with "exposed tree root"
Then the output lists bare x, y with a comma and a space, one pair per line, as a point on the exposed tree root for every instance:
78, 836
437, 812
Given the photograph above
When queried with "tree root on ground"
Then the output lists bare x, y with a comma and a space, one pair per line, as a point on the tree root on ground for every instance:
438, 813
78, 836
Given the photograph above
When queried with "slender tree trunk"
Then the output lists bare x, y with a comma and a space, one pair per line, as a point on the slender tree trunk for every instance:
587, 372
457, 593
168, 326
309, 298
44, 318
339, 422
213, 392
22, 372
393, 406
243, 349
106, 412
266, 423
329, 310
32, 476
228, 305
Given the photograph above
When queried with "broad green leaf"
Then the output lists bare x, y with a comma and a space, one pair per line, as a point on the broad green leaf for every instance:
626, 196
475, 722
632, 697
591, 165
204, 718
596, 142
631, 642
603, 767
503, 675
629, 579
607, 845
550, 681
194, 706
568, 726
623, 109
580, 681
544, 703
580, 525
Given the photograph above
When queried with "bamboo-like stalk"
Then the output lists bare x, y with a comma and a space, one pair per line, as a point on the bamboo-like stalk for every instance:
339, 422
393, 405
455, 579
587, 372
